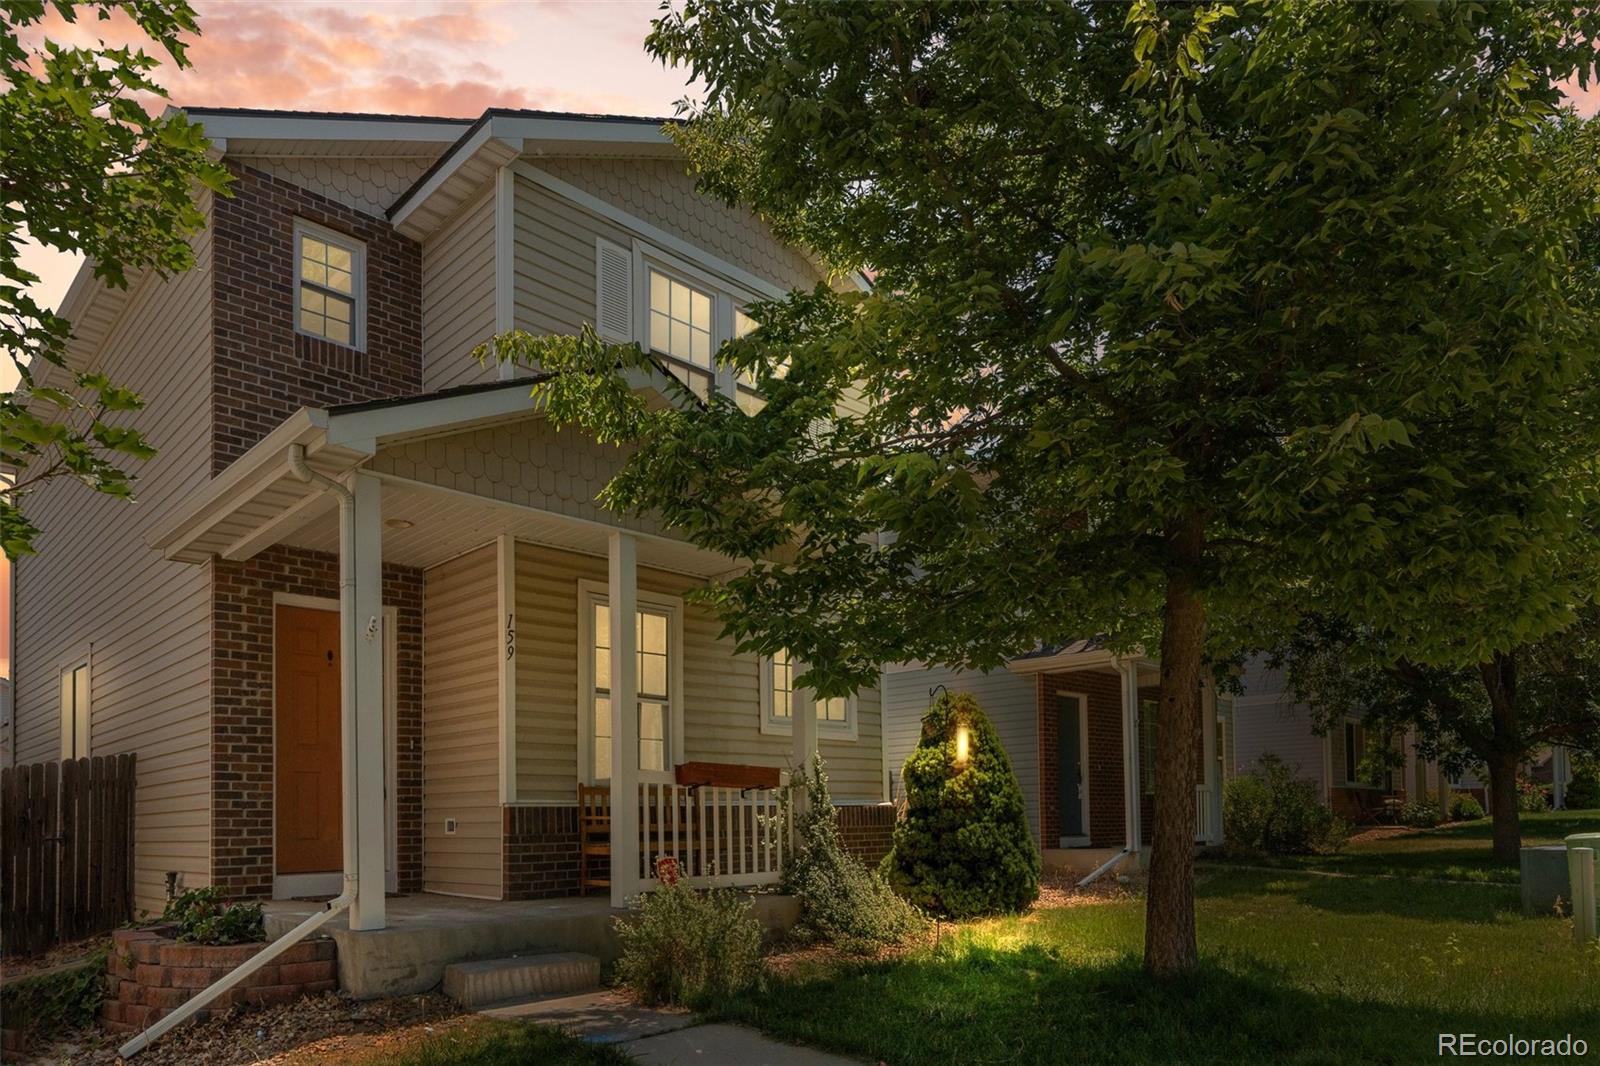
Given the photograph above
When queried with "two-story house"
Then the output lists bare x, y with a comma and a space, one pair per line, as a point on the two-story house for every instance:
366, 622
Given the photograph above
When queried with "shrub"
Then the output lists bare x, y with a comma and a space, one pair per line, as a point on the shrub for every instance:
1531, 797
1583, 791
841, 900
55, 1002
202, 916
1272, 810
1465, 808
964, 847
688, 948
1421, 815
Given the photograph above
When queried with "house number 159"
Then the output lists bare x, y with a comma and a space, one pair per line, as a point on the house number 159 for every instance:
511, 636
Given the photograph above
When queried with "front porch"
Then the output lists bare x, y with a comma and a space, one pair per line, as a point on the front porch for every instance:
497, 641
426, 932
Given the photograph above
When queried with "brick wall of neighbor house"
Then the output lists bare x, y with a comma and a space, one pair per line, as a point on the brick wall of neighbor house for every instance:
867, 830
541, 852
1104, 694
242, 715
263, 370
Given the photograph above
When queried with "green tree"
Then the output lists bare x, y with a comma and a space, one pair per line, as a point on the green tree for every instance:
1186, 318
1497, 713
86, 168
964, 847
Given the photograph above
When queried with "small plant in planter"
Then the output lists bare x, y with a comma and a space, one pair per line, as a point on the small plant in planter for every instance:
203, 916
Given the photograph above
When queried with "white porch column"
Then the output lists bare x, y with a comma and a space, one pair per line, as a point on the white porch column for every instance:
622, 599
1208, 753
1558, 776
506, 549
361, 609
803, 735
1129, 669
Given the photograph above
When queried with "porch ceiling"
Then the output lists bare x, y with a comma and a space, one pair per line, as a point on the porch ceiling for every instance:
425, 525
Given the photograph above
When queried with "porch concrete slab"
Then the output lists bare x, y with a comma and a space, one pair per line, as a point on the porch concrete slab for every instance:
427, 932
706, 1044
605, 1017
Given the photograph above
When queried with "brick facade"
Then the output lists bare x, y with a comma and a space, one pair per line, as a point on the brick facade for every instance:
1103, 692
242, 710
867, 832
539, 849
262, 370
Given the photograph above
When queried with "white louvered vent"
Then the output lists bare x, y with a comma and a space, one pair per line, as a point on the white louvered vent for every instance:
613, 297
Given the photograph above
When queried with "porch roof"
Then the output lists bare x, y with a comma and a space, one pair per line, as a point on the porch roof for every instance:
259, 500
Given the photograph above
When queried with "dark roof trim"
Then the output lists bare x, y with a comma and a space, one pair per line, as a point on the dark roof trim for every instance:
441, 394
334, 116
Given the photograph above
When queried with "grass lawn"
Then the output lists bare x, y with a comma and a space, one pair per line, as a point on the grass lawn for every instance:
1458, 852
1297, 968
487, 1042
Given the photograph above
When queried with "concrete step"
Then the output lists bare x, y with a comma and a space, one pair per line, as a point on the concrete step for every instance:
474, 984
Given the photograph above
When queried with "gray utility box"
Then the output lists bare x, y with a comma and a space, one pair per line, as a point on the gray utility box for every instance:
1544, 880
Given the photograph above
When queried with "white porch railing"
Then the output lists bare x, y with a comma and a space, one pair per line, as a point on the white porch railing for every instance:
719, 836
1202, 814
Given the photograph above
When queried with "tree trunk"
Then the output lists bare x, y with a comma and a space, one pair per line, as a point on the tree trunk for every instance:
1505, 751
1169, 939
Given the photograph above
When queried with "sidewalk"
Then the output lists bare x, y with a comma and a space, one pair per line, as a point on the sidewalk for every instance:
660, 1037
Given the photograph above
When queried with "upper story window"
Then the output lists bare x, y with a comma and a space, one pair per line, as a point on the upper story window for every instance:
836, 716
680, 320
330, 285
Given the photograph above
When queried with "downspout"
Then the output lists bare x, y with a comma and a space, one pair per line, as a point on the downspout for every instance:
1127, 674
198, 1002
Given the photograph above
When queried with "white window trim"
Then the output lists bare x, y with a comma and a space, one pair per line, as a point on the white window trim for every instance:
1344, 768
774, 726
1083, 839
83, 716
590, 593
725, 296
358, 273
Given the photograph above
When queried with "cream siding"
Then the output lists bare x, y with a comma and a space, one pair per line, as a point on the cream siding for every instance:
721, 714
1010, 702
461, 727
96, 591
458, 297
368, 184
662, 193
530, 463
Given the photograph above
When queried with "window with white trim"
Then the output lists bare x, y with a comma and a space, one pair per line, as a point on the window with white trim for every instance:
330, 284
747, 393
658, 659
836, 715
75, 711
1148, 709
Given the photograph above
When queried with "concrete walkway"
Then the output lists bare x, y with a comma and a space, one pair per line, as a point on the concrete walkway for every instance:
660, 1037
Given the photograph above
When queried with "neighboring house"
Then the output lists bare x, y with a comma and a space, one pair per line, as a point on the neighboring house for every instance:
1267, 721
359, 618
1077, 723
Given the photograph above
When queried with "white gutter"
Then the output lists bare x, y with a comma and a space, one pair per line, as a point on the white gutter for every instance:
347, 723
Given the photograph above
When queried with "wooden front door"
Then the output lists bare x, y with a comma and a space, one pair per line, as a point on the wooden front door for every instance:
306, 729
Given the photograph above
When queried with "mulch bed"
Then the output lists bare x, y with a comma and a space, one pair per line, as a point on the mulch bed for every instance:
62, 956
327, 1028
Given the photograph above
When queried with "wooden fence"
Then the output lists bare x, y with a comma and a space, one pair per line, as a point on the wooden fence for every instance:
66, 851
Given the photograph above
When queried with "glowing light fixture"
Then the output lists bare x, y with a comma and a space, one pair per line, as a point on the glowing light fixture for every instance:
963, 744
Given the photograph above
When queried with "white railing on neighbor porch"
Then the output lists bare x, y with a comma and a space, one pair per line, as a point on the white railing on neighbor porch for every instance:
1202, 814
719, 836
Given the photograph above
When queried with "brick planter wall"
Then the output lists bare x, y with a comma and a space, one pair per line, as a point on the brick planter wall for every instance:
867, 832
151, 975
540, 852
242, 712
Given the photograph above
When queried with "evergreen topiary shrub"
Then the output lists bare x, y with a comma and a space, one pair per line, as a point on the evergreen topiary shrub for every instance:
1465, 808
964, 847
842, 901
